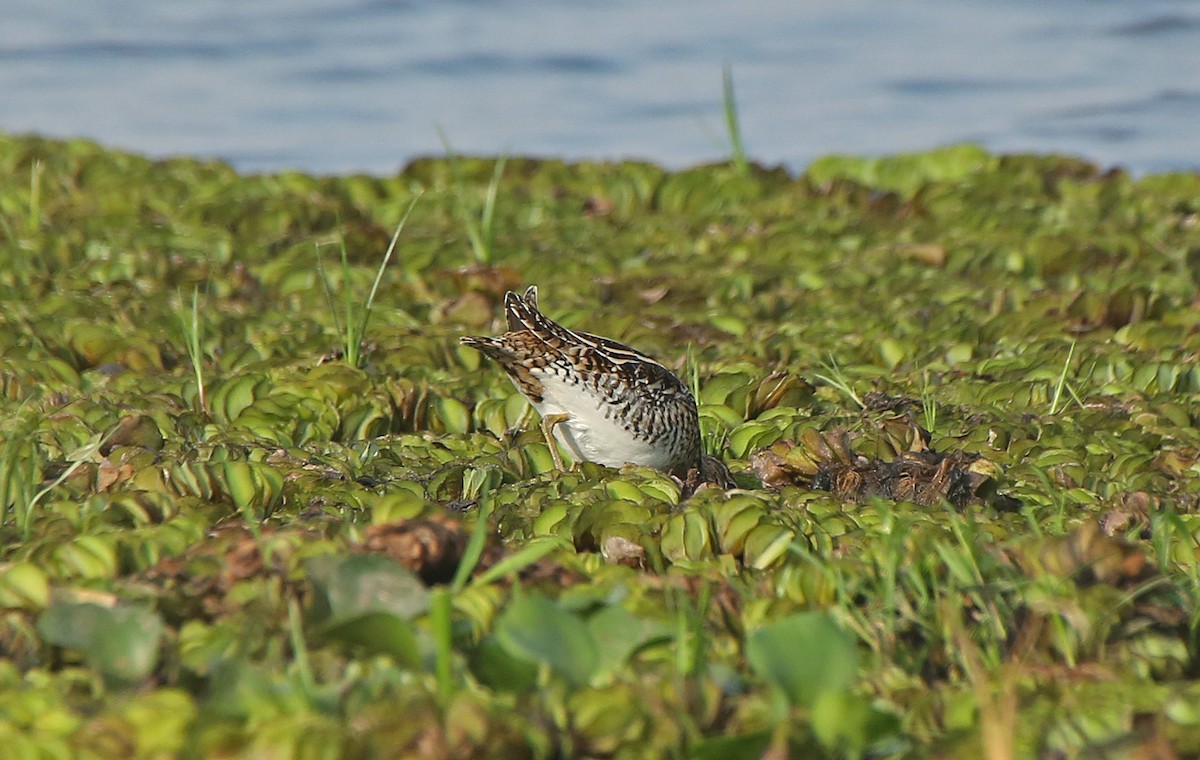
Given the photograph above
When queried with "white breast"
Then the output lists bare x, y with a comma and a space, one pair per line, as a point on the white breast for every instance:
588, 434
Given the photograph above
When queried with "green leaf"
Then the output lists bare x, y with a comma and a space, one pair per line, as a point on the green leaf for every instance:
348, 587
381, 632
687, 536
70, 625
765, 544
455, 416
499, 669
892, 352
239, 480
121, 642
903, 173
367, 600
24, 585
751, 436
618, 634
747, 747
536, 629
240, 690
805, 655
850, 723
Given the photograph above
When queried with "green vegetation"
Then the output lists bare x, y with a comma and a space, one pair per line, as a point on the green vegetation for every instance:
221, 539
481, 231
191, 327
737, 149
355, 315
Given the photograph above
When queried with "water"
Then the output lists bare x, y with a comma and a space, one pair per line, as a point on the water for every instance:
334, 87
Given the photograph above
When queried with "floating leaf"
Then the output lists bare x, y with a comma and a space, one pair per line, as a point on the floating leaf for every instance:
253, 486
687, 536
367, 600
454, 416
765, 544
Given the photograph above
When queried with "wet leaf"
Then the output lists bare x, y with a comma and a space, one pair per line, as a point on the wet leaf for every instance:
453, 415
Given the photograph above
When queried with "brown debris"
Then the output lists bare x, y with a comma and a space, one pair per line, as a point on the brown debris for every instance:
772, 470
134, 430
878, 401
651, 296
700, 334
206, 573
597, 205
621, 551
826, 462
925, 478
1177, 463
430, 547
471, 308
1088, 556
109, 474
338, 353
933, 254
433, 547
243, 560
546, 572
1153, 738
1132, 513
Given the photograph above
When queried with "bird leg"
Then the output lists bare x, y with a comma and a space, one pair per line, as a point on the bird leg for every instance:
549, 422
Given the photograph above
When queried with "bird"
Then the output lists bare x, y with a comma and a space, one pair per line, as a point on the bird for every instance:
604, 401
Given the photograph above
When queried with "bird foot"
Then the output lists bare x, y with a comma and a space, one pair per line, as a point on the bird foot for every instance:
550, 422
712, 473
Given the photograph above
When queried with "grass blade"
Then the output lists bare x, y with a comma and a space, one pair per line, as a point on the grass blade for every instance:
193, 336
1062, 380
737, 147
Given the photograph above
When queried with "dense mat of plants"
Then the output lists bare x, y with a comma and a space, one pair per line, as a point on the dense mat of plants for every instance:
959, 393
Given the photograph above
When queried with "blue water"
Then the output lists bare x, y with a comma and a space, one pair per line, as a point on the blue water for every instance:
328, 86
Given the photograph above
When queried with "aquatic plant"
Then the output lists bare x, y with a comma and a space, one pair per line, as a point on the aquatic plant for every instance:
958, 392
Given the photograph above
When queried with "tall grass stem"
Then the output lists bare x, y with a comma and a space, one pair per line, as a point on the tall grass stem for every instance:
732, 123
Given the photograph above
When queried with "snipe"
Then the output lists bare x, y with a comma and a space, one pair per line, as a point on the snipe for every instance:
603, 400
